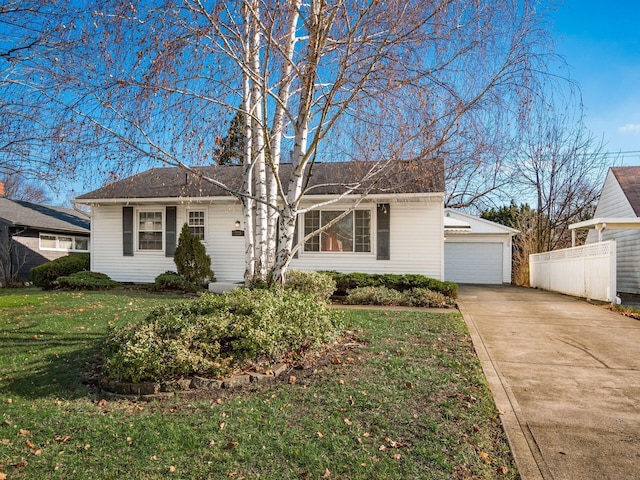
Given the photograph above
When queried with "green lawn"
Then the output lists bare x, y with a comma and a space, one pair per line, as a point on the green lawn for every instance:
403, 397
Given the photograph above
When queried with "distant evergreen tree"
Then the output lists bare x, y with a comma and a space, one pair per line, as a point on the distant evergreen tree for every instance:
231, 148
508, 215
191, 259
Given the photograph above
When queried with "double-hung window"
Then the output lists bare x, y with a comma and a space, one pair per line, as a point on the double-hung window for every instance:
351, 233
150, 230
195, 220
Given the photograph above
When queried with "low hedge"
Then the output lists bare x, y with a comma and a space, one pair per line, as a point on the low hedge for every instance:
402, 283
173, 282
217, 334
86, 281
416, 297
45, 275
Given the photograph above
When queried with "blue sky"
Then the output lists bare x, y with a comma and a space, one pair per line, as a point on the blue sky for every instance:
600, 41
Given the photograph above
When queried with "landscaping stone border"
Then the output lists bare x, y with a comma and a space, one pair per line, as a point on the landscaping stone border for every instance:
187, 386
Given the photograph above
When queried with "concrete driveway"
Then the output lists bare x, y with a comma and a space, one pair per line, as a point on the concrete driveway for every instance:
566, 377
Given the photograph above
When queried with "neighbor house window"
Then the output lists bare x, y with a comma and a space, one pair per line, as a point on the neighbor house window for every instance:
66, 243
150, 230
352, 233
195, 220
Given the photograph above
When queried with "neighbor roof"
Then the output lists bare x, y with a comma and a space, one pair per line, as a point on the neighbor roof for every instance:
43, 217
629, 180
326, 179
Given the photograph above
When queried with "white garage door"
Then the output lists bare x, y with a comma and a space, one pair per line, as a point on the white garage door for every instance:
473, 262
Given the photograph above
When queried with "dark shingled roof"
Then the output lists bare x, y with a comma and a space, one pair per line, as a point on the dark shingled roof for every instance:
327, 179
42, 217
629, 180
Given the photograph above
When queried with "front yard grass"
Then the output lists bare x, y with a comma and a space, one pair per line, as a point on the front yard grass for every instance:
402, 397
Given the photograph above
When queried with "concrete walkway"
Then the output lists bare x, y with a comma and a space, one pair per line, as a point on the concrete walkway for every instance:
566, 377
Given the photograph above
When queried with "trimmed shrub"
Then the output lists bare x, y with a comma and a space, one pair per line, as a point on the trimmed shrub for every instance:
174, 282
318, 284
375, 296
191, 259
349, 281
423, 297
417, 297
45, 275
216, 334
86, 281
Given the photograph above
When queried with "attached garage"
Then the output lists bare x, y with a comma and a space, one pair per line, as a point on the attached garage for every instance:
476, 250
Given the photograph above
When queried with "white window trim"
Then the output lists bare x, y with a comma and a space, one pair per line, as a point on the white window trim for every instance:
57, 248
206, 220
136, 229
372, 234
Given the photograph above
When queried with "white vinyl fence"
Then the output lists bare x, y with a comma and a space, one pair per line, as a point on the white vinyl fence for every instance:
588, 271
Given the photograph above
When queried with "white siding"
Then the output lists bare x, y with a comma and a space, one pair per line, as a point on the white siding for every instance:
613, 203
227, 252
416, 243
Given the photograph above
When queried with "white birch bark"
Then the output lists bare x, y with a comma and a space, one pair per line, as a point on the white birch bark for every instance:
247, 181
257, 119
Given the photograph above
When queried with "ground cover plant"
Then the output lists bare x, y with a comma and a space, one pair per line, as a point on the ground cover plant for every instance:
214, 335
402, 396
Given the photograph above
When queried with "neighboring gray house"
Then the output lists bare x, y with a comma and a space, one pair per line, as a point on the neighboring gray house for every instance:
397, 228
32, 234
617, 217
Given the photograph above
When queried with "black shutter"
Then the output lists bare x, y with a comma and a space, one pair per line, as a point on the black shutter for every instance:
170, 232
383, 236
127, 231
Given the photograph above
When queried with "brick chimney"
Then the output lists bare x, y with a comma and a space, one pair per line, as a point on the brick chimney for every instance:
1, 189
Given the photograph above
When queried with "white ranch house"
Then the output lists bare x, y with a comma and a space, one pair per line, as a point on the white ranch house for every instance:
400, 227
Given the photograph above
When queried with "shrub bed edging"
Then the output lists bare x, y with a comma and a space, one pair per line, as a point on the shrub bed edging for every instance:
186, 386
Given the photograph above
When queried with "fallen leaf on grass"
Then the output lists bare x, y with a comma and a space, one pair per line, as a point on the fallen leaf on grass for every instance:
62, 438
3, 476
222, 425
327, 473
336, 361
24, 433
29, 444
485, 456
320, 434
9, 400
292, 379
347, 421
502, 470
476, 428
408, 385
5, 441
231, 445
37, 452
396, 456
172, 469
383, 448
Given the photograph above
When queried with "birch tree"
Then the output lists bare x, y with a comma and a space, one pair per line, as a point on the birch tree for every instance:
313, 81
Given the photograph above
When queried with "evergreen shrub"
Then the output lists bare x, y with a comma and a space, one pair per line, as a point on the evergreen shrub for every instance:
319, 284
45, 275
86, 281
191, 259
